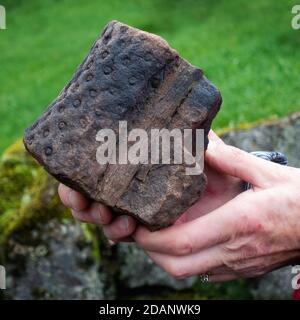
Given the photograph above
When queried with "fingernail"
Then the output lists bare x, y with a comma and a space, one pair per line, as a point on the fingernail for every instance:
96, 214
125, 223
212, 143
73, 200
213, 136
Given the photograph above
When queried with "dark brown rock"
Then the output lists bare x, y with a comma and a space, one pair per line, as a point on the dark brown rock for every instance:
134, 76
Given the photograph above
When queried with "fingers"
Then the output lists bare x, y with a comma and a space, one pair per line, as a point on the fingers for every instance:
120, 228
186, 266
82, 210
204, 232
213, 136
97, 213
204, 262
72, 199
238, 163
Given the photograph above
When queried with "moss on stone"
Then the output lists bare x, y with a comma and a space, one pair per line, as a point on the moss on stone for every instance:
91, 233
27, 193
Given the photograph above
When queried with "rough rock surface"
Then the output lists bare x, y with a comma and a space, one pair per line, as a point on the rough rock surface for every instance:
54, 262
275, 285
281, 135
139, 271
133, 76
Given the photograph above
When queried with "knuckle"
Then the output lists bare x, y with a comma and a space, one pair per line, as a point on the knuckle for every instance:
249, 222
235, 263
236, 254
183, 246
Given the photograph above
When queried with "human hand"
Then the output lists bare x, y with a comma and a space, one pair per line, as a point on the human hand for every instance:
115, 228
220, 189
254, 233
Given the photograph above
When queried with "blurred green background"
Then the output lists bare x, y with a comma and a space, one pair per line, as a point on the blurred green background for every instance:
247, 48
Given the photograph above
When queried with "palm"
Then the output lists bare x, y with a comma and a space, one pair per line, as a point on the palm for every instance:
220, 189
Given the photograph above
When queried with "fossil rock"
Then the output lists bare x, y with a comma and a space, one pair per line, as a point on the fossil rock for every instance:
133, 76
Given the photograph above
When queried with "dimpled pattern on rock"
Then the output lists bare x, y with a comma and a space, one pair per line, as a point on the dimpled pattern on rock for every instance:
134, 76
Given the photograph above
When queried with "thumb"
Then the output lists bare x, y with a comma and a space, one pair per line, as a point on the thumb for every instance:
238, 163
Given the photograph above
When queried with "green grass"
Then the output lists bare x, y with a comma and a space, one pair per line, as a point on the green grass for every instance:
247, 48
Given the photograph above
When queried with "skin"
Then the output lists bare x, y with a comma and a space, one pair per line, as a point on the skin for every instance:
229, 233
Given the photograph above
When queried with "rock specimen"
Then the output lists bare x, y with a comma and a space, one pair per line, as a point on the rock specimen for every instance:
129, 75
